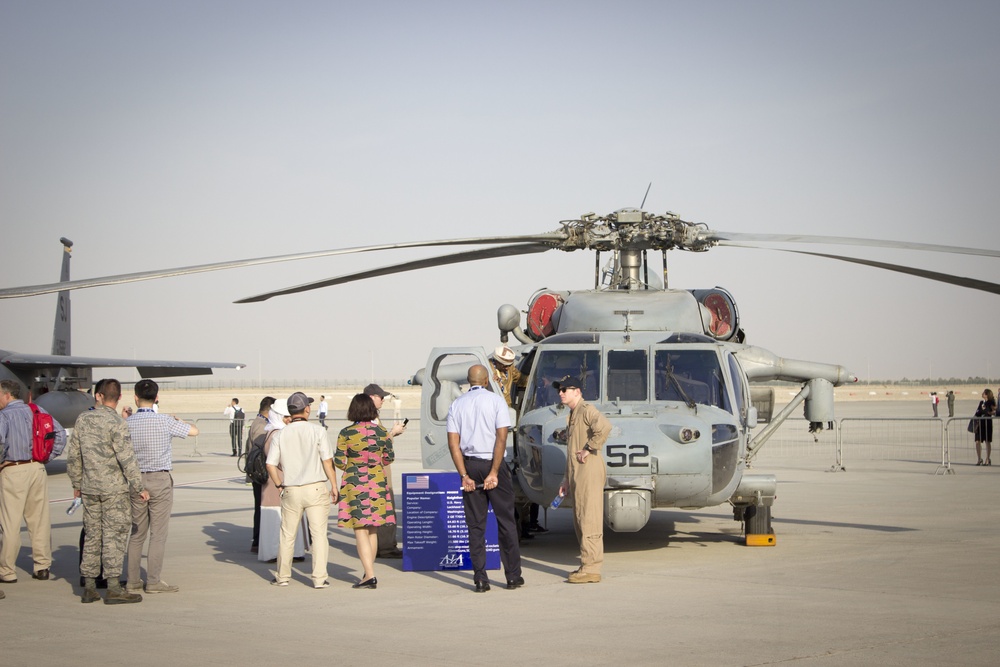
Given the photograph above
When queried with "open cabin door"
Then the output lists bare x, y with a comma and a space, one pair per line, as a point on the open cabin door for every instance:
444, 379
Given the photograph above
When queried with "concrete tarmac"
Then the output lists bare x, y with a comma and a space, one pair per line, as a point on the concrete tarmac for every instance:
884, 564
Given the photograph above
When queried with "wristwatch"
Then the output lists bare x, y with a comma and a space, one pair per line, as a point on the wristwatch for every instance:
590, 449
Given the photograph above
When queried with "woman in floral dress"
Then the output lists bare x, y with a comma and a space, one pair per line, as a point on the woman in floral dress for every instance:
363, 449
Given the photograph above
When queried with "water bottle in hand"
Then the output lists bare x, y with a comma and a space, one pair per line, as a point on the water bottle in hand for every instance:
74, 505
557, 501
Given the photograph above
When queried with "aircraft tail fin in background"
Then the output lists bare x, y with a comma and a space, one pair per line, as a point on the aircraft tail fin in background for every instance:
61, 330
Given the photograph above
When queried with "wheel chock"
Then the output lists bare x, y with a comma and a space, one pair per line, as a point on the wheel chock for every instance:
766, 540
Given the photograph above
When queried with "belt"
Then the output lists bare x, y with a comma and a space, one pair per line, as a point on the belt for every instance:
149, 472
474, 458
19, 463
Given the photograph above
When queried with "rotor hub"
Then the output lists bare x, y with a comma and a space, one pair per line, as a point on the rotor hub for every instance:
632, 229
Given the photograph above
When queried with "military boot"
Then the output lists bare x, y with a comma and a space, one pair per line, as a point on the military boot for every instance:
118, 595
90, 593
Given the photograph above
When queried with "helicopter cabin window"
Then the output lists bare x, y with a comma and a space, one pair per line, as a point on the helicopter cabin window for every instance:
554, 365
690, 376
627, 375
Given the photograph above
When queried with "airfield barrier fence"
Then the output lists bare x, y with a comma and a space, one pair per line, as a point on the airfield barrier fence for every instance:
792, 440
914, 439
213, 434
941, 442
938, 441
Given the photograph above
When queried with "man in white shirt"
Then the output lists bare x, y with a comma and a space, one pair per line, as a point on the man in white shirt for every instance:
322, 411
303, 452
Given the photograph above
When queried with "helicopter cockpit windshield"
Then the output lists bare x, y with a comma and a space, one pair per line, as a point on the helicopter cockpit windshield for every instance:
690, 376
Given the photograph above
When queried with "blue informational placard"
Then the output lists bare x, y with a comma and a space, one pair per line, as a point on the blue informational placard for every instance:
435, 536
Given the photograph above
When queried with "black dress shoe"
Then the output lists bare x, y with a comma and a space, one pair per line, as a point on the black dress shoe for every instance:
367, 583
482, 586
390, 553
515, 583
537, 528
41, 575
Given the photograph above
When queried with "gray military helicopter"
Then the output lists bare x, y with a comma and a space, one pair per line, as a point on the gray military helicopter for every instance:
671, 368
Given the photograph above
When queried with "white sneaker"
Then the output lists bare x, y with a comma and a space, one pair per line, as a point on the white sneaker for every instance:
275, 582
323, 584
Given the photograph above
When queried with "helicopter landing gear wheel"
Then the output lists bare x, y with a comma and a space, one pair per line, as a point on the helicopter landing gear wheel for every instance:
757, 526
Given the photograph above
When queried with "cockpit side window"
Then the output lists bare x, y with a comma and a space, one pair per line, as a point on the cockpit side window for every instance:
690, 376
738, 387
554, 365
627, 375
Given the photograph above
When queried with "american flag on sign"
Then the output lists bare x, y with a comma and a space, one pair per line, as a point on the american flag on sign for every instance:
418, 482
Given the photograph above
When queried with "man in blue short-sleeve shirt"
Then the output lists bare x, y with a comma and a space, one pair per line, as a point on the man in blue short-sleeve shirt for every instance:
478, 422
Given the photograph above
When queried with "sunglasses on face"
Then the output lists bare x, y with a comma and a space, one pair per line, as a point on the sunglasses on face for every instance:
563, 390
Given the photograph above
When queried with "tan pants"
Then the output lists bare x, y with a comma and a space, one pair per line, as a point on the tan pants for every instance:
24, 494
586, 487
314, 501
152, 518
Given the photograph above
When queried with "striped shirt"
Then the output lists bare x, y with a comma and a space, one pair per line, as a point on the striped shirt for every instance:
16, 429
151, 436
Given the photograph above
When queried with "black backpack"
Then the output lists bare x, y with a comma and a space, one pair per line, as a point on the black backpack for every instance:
257, 466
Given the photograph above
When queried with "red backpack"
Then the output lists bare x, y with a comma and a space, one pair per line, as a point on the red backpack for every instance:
43, 432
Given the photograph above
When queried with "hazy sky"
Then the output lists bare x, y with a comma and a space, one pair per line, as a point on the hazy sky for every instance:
158, 134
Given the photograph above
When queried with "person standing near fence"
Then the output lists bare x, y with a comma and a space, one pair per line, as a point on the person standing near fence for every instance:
983, 427
322, 411
951, 403
236, 416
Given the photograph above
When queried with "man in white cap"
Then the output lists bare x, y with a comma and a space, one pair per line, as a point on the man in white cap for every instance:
504, 372
306, 461
508, 377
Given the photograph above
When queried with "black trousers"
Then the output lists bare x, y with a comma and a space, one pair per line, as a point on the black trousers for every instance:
257, 491
236, 435
477, 504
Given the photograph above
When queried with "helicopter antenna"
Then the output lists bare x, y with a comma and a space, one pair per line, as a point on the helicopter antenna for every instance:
645, 195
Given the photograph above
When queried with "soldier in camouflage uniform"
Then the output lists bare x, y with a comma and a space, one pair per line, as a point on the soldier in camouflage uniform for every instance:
102, 466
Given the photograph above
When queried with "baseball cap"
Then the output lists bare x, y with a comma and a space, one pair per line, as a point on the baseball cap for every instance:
375, 390
568, 382
298, 401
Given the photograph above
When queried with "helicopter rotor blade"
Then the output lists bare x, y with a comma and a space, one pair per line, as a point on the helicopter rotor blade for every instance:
723, 237
442, 260
971, 283
34, 290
